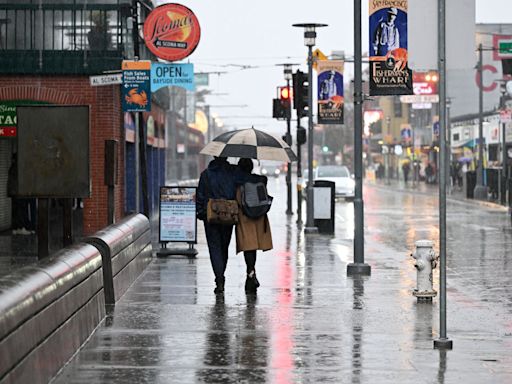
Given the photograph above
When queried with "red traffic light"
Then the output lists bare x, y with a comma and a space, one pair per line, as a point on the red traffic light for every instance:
285, 93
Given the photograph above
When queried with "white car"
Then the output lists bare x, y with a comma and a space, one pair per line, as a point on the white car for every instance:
340, 175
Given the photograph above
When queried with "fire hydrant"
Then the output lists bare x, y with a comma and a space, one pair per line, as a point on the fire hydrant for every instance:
426, 261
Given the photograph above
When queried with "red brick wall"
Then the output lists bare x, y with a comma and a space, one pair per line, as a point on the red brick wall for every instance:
106, 124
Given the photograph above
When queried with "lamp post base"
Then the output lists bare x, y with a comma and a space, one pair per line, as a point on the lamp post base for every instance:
358, 269
310, 230
443, 343
480, 192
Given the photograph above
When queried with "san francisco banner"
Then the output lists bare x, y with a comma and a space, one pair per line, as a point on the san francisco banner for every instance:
389, 72
330, 91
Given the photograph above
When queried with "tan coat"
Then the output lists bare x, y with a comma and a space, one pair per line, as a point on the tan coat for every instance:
252, 234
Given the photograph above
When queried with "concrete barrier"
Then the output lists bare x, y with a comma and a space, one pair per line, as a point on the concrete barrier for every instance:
48, 310
125, 248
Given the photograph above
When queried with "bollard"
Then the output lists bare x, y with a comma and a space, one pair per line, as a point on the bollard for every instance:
426, 261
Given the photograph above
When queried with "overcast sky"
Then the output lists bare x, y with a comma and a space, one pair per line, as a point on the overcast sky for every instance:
246, 39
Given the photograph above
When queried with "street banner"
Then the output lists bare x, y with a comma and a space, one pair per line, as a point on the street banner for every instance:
389, 70
136, 88
176, 75
178, 215
330, 91
171, 32
406, 133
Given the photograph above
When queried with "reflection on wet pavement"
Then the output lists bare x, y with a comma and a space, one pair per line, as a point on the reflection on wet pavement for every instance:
310, 323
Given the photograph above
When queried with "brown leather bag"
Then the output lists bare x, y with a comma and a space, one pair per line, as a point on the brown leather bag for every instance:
222, 211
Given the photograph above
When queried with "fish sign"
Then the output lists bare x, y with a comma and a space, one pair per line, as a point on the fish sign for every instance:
136, 88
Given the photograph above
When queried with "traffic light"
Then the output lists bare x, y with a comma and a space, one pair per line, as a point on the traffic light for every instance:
300, 93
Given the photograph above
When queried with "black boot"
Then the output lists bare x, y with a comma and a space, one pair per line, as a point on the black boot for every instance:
252, 283
219, 281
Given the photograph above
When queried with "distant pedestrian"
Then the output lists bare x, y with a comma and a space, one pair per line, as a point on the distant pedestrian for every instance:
405, 169
429, 173
251, 234
217, 181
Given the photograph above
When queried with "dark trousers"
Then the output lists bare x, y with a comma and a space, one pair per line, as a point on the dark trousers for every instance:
250, 260
218, 238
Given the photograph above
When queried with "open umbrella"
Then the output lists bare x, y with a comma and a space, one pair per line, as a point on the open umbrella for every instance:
250, 143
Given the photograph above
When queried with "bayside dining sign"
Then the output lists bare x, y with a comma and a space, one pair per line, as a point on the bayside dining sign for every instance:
172, 32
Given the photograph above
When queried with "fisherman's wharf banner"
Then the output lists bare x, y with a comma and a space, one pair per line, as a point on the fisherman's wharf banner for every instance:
330, 91
389, 70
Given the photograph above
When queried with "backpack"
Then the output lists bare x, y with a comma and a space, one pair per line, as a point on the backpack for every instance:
256, 201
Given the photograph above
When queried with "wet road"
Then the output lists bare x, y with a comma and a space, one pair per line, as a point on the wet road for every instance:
310, 323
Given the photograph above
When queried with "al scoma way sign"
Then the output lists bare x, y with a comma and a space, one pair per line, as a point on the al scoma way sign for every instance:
172, 32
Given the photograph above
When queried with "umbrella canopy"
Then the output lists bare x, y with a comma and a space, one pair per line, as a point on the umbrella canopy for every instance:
250, 143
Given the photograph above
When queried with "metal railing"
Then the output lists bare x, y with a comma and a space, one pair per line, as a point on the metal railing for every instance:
72, 37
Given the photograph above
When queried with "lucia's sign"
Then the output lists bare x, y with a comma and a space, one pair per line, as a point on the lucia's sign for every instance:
172, 32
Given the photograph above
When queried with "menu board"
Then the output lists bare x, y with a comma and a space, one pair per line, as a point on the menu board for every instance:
178, 214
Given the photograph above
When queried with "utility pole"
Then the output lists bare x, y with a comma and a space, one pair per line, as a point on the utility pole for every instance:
138, 122
480, 191
288, 75
289, 142
504, 167
299, 174
442, 342
358, 267
448, 148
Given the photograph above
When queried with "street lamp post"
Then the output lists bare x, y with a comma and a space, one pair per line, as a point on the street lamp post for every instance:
503, 179
480, 191
309, 41
387, 159
443, 342
448, 147
288, 76
358, 267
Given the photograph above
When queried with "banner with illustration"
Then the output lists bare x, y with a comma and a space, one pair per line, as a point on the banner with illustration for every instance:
330, 91
389, 72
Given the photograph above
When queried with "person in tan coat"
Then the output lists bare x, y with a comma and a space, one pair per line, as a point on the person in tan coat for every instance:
251, 234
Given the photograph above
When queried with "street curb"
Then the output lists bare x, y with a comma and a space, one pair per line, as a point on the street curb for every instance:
467, 201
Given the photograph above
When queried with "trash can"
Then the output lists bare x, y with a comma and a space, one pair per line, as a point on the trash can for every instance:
470, 183
323, 205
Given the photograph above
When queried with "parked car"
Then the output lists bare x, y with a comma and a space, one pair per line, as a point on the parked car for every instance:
340, 175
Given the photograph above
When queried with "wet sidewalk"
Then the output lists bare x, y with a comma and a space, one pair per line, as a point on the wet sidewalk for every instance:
309, 323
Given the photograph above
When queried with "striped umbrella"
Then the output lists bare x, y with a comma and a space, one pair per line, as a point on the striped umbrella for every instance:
250, 143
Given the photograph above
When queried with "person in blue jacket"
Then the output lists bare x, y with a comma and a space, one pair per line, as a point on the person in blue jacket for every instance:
217, 181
